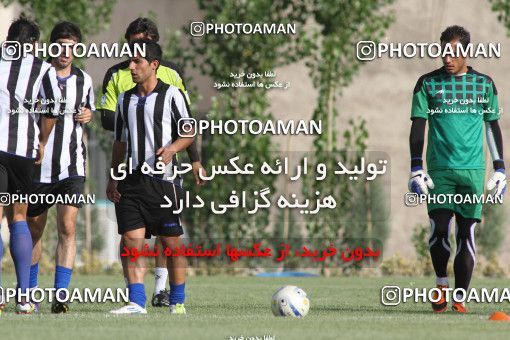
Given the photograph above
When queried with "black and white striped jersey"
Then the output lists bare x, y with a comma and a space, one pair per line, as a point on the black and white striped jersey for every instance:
149, 123
65, 152
23, 82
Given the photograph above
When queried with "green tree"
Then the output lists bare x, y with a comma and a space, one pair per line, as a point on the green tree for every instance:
490, 233
91, 16
502, 8
333, 62
361, 211
217, 56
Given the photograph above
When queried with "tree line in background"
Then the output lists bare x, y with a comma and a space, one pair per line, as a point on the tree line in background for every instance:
326, 47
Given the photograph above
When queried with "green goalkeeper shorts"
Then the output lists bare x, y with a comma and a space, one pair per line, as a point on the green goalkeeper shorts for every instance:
451, 188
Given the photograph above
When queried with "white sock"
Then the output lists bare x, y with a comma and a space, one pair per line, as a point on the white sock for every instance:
161, 278
443, 281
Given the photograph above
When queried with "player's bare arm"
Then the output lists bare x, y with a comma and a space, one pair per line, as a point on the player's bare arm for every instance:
47, 125
118, 152
167, 152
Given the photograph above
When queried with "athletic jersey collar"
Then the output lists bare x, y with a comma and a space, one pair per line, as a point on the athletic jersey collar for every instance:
469, 71
156, 89
75, 71
64, 78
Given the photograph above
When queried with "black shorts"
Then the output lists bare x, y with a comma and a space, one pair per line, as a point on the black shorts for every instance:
140, 206
16, 173
70, 186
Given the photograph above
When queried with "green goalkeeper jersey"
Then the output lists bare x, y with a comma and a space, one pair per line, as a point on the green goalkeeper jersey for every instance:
456, 108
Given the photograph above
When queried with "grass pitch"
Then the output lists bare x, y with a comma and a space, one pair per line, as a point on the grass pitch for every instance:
224, 307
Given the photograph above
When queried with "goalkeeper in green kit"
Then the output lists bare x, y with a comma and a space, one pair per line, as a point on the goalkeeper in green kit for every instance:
459, 103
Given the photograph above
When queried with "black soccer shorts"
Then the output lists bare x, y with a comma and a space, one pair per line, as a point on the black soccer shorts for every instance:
140, 206
72, 186
16, 173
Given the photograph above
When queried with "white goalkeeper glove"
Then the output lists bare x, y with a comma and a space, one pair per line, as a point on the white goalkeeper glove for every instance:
420, 182
497, 183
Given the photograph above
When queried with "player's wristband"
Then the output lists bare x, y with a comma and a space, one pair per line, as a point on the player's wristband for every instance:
498, 164
415, 163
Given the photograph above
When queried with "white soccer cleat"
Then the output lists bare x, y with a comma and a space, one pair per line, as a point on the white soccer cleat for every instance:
130, 308
24, 308
177, 309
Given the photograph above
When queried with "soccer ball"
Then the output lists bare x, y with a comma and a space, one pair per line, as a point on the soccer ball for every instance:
290, 301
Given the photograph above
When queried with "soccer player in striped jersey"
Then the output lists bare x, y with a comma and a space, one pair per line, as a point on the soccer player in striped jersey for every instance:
117, 80
62, 171
146, 121
23, 78
457, 101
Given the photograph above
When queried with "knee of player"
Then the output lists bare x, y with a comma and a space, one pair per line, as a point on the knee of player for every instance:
67, 231
36, 234
36, 228
441, 232
463, 234
130, 239
170, 241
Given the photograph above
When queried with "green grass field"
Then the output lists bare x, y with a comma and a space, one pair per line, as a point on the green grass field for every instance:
221, 307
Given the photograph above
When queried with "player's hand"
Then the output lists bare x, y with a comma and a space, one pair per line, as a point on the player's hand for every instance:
497, 183
197, 170
420, 182
111, 191
84, 116
166, 154
40, 154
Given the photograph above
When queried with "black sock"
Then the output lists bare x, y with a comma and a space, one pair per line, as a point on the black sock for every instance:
466, 252
439, 244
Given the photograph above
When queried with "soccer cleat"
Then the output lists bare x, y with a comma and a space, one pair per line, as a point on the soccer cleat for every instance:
177, 309
459, 307
24, 308
131, 308
58, 307
441, 304
161, 299
36, 307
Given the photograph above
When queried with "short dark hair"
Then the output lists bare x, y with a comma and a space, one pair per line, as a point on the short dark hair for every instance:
65, 30
24, 31
456, 32
153, 50
145, 26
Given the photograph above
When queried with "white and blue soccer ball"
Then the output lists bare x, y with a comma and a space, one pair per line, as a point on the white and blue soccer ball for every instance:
290, 301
